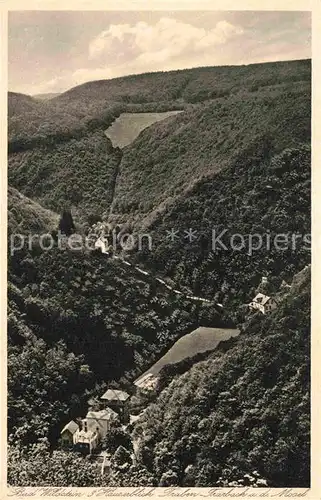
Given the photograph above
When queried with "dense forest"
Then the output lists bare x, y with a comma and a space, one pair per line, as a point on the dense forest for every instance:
257, 195
238, 418
95, 104
237, 159
96, 310
191, 85
245, 411
169, 158
79, 174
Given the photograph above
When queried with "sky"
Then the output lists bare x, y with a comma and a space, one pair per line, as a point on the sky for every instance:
52, 51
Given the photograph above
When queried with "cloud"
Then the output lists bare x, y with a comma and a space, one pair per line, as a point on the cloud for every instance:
163, 41
140, 44
51, 52
71, 79
124, 49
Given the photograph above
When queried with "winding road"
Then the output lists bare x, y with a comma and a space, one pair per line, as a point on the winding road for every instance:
101, 244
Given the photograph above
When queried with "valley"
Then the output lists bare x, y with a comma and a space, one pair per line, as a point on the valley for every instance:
224, 148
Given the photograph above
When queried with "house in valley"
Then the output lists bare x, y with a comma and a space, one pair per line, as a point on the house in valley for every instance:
101, 421
102, 245
67, 434
91, 430
263, 303
86, 439
118, 401
147, 382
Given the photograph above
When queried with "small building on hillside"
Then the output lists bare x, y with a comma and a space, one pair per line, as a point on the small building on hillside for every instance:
101, 420
85, 439
118, 401
67, 434
263, 303
86, 436
102, 245
147, 382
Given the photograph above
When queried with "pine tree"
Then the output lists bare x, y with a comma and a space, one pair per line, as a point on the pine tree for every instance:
66, 223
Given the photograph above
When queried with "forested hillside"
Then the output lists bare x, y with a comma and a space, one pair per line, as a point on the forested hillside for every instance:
171, 156
244, 411
262, 195
25, 215
94, 308
80, 174
236, 161
239, 418
190, 85
95, 104
58, 153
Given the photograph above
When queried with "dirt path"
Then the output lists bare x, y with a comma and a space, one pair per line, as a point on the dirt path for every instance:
100, 244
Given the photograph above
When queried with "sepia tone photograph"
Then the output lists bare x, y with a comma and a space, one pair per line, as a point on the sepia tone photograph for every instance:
159, 249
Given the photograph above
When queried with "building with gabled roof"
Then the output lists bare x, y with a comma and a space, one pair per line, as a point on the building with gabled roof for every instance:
115, 395
71, 427
102, 245
263, 303
106, 414
67, 433
118, 401
93, 429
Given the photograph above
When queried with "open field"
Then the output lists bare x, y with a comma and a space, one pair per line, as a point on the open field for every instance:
200, 340
128, 126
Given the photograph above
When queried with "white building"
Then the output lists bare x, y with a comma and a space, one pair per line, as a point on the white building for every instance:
101, 420
263, 303
148, 382
92, 429
100, 243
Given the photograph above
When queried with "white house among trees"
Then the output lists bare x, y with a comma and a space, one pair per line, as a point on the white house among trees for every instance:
263, 303
91, 430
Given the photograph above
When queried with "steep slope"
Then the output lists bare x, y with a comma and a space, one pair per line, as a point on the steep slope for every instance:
45, 382
100, 308
19, 104
27, 216
49, 139
238, 216
237, 159
200, 340
79, 173
244, 411
92, 104
170, 156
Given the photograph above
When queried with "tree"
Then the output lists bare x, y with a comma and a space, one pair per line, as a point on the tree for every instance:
38, 467
169, 478
117, 437
66, 224
121, 457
